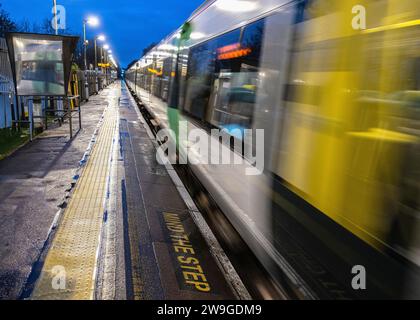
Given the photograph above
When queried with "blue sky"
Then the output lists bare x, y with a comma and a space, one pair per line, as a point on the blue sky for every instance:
130, 25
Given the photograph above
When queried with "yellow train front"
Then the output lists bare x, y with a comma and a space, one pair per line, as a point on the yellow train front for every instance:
336, 87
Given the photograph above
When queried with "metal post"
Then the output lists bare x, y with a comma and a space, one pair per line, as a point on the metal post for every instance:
22, 109
45, 103
70, 120
31, 118
102, 68
12, 108
80, 117
5, 111
96, 68
85, 45
55, 16
106, 68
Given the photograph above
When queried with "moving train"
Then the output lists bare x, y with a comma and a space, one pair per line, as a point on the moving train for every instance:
335, 85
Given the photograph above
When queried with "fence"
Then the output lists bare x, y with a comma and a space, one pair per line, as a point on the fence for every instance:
104, 79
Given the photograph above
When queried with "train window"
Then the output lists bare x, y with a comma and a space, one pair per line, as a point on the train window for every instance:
252, 40
201, 72
166, 76
236, 80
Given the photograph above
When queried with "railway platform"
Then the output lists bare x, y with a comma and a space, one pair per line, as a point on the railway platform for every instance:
33, 184
128, 229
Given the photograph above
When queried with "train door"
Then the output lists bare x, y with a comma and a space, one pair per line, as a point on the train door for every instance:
348, 132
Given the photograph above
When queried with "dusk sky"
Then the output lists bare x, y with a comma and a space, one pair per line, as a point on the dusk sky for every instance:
130, 25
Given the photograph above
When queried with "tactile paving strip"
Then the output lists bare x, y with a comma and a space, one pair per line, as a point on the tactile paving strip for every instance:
75, 245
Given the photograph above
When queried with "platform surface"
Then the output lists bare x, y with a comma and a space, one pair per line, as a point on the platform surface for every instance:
127, 232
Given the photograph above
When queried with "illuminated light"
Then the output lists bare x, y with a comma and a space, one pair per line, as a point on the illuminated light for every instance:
109, 51
234, 54
184, 70
113, 62
167, 46
101, 37
92, 21
236, 5
154, 71
232, 51
197, 35
229, 47
106, 46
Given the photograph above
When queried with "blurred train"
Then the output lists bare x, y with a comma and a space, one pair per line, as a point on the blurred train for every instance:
340, 106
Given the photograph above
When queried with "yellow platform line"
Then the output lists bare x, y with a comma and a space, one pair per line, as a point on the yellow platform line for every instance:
72, 256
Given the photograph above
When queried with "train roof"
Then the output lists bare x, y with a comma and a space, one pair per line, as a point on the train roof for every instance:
211, 18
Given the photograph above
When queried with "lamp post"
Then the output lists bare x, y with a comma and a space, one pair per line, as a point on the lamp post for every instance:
102, 61
110, 61
55, 16
92, 21
100, 38
106, 48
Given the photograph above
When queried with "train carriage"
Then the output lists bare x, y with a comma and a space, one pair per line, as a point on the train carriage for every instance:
339, 104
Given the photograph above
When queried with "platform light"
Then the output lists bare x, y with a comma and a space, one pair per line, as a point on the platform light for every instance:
167, 46
109, 51
113, 61
106, 46
197, 35
92, 21
101, 38
236, 5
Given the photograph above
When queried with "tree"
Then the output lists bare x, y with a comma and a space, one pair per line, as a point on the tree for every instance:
46, 26
24, 26
6, 24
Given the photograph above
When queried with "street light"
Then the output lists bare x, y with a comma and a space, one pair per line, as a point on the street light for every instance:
92, 21
106, 48
100, 37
